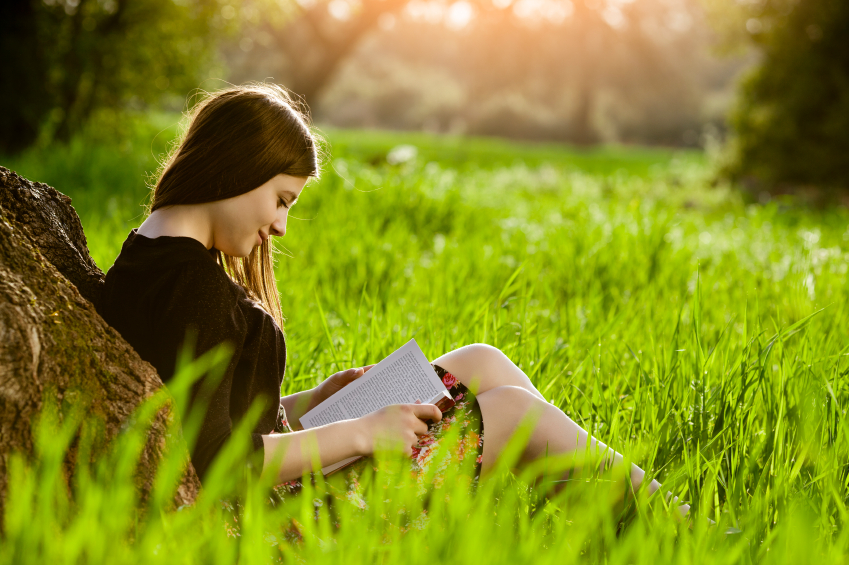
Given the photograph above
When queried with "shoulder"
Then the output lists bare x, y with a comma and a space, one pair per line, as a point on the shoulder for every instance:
145, 260
204, 285
205, 274
174, 276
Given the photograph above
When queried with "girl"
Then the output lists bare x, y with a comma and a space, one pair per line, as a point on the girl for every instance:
202, 262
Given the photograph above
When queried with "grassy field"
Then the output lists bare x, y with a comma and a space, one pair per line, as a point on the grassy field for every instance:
704, 337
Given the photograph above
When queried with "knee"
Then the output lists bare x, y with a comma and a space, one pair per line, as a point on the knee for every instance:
475, 353
478, 365
485, 352
485, 349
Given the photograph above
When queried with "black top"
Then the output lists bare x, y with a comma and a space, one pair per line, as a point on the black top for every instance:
160, 288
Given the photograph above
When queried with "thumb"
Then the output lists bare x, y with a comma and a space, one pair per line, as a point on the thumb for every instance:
427, 412
345, 376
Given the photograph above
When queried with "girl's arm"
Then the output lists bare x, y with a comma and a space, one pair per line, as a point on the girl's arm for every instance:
397, 427
329, 444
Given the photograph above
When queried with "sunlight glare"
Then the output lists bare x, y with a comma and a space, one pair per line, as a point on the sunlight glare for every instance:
554, 11
614, 17
339, 9
459, 15
430, 12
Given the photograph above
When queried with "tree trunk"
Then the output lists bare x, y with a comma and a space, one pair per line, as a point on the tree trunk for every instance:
23, 97
315, 44
588, 29
54, 346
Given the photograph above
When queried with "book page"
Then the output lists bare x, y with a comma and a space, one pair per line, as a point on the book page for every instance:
402, 378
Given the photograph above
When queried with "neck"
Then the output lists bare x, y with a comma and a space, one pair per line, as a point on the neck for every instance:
179, 221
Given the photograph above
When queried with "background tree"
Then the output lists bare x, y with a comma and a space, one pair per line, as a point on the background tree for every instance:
792, 120
321, 36
22, 91
69, 59
583, 71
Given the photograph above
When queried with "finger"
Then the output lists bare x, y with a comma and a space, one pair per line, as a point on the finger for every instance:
420, 428
343, 375
413, 440
352, 374
427, 412
367, 367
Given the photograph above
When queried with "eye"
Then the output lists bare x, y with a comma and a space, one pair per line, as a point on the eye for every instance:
281, 202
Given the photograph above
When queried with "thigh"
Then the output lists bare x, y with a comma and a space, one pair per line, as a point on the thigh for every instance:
482, 367
503, 409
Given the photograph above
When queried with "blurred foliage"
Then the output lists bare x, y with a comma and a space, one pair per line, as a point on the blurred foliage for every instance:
68, 61
792, 118
583, 71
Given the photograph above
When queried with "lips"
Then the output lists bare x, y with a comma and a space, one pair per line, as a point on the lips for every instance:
262, 237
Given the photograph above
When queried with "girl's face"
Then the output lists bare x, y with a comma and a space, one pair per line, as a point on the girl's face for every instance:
243, 222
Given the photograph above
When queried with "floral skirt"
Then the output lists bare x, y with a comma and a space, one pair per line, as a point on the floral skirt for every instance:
451, 450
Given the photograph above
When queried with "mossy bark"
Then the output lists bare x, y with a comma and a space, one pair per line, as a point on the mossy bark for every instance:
54, 346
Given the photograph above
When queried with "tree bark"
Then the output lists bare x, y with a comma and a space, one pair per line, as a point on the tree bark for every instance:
45, 217
54, 346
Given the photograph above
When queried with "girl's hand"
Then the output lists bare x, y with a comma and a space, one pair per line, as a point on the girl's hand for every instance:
336, 382
396, 427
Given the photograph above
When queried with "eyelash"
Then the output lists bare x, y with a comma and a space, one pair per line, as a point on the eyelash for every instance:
281, 202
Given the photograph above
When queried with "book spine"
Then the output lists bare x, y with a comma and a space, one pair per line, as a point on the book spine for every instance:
445, 403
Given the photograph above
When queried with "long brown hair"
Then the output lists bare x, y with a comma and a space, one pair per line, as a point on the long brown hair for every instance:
235, 140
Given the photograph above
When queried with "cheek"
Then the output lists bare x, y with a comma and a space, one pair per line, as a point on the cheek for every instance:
254, 212
241, 223
264, 214
257, 217
239, 228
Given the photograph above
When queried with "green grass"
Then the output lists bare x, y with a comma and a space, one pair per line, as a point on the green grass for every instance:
702, 336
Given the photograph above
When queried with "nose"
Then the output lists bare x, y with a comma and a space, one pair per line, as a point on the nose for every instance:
278, 228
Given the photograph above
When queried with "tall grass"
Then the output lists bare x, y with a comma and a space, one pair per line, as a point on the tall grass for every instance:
701, 336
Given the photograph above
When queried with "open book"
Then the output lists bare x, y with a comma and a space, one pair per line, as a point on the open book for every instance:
405, 377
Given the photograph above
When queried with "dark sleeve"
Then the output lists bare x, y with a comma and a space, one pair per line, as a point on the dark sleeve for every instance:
259, 372
203, 301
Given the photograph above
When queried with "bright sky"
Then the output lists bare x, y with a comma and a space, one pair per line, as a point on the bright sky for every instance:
457, 15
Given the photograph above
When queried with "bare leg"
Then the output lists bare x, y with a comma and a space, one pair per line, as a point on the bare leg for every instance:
503, 409
482, 367
506, 396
